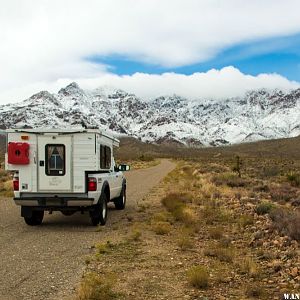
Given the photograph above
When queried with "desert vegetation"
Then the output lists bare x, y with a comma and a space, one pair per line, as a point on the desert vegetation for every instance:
6, 184
225, 223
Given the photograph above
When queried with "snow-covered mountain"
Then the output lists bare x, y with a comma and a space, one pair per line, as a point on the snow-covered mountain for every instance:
258, 115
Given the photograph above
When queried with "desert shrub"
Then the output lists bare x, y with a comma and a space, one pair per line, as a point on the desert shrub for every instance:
294, 179
4, 175
6, 188
163, 216
136, 235
229, 179
261, 188
265, 255
255, 291
209, 190
283, 193
212, 168
212, 214
216, 233
225, 242
270, 171
187, 168
245, 220
95, 287
198, 277
223, 254
103, 248
249, 267
185, 215
175, 203
286, 222
142, 207
264, 208
161, 228
185, 242
145, 157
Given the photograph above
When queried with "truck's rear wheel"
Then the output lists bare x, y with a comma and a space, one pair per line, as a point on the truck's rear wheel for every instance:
120, 202
35, 219
99, 213
68, 212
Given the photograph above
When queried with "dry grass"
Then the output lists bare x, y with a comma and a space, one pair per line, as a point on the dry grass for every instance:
174, 201
198, 277
249, 267
213, 214
229, 179
162, 216
286, 222
294, 179
228, 223
264, 208
136, 235
103, 248
6, 188
161, 228
223, 254
185, 243
216, 233
283, 193
96, 287
6, 184
176, 204
255, 291
245, 220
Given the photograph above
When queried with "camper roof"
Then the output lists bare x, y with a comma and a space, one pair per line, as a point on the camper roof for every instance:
65, 131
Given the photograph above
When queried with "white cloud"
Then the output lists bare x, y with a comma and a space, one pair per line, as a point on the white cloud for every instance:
45, 41
214, 84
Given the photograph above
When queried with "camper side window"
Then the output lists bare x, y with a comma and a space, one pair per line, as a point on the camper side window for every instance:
105, 157
55, 160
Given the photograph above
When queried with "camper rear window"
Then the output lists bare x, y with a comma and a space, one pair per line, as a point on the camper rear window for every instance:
105, 157
55, 160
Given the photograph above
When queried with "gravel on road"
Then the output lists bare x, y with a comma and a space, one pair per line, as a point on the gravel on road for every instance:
47, 261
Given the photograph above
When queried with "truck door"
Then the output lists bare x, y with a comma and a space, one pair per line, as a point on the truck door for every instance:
54, 163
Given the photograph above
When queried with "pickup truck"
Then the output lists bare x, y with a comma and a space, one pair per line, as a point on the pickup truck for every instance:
65, 170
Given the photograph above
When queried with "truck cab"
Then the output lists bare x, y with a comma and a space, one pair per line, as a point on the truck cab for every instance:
65, 170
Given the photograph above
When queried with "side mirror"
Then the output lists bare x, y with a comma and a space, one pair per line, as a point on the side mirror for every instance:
123, 168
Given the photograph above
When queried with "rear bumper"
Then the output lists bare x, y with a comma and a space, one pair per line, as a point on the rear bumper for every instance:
54, 201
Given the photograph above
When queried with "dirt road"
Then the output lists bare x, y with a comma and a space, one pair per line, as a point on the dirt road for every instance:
46, 262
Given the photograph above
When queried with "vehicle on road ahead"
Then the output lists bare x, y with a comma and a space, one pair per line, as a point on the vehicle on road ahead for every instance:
64, 170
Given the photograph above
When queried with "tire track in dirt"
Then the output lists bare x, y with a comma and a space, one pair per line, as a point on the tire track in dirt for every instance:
46, 261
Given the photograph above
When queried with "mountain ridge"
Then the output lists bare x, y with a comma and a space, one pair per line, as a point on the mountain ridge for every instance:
258, 115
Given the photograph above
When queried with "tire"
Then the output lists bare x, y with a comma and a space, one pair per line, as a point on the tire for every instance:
68, 212
35, 219
99, 213
120, 202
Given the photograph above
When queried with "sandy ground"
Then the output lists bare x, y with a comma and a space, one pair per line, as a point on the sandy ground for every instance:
46, 262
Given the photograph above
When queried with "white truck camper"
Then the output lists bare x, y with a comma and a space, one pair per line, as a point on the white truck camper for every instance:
64, 170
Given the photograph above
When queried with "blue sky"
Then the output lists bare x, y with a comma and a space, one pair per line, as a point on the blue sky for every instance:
279, 55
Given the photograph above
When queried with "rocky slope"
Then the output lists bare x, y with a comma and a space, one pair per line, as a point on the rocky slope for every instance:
258, 115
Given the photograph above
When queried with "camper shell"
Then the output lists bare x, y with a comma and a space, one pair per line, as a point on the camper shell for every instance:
66, 170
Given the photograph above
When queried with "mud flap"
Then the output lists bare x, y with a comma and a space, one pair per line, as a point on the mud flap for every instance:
26, 212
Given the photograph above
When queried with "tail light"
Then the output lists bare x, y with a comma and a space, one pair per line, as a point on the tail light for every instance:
16, 183
92, 184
